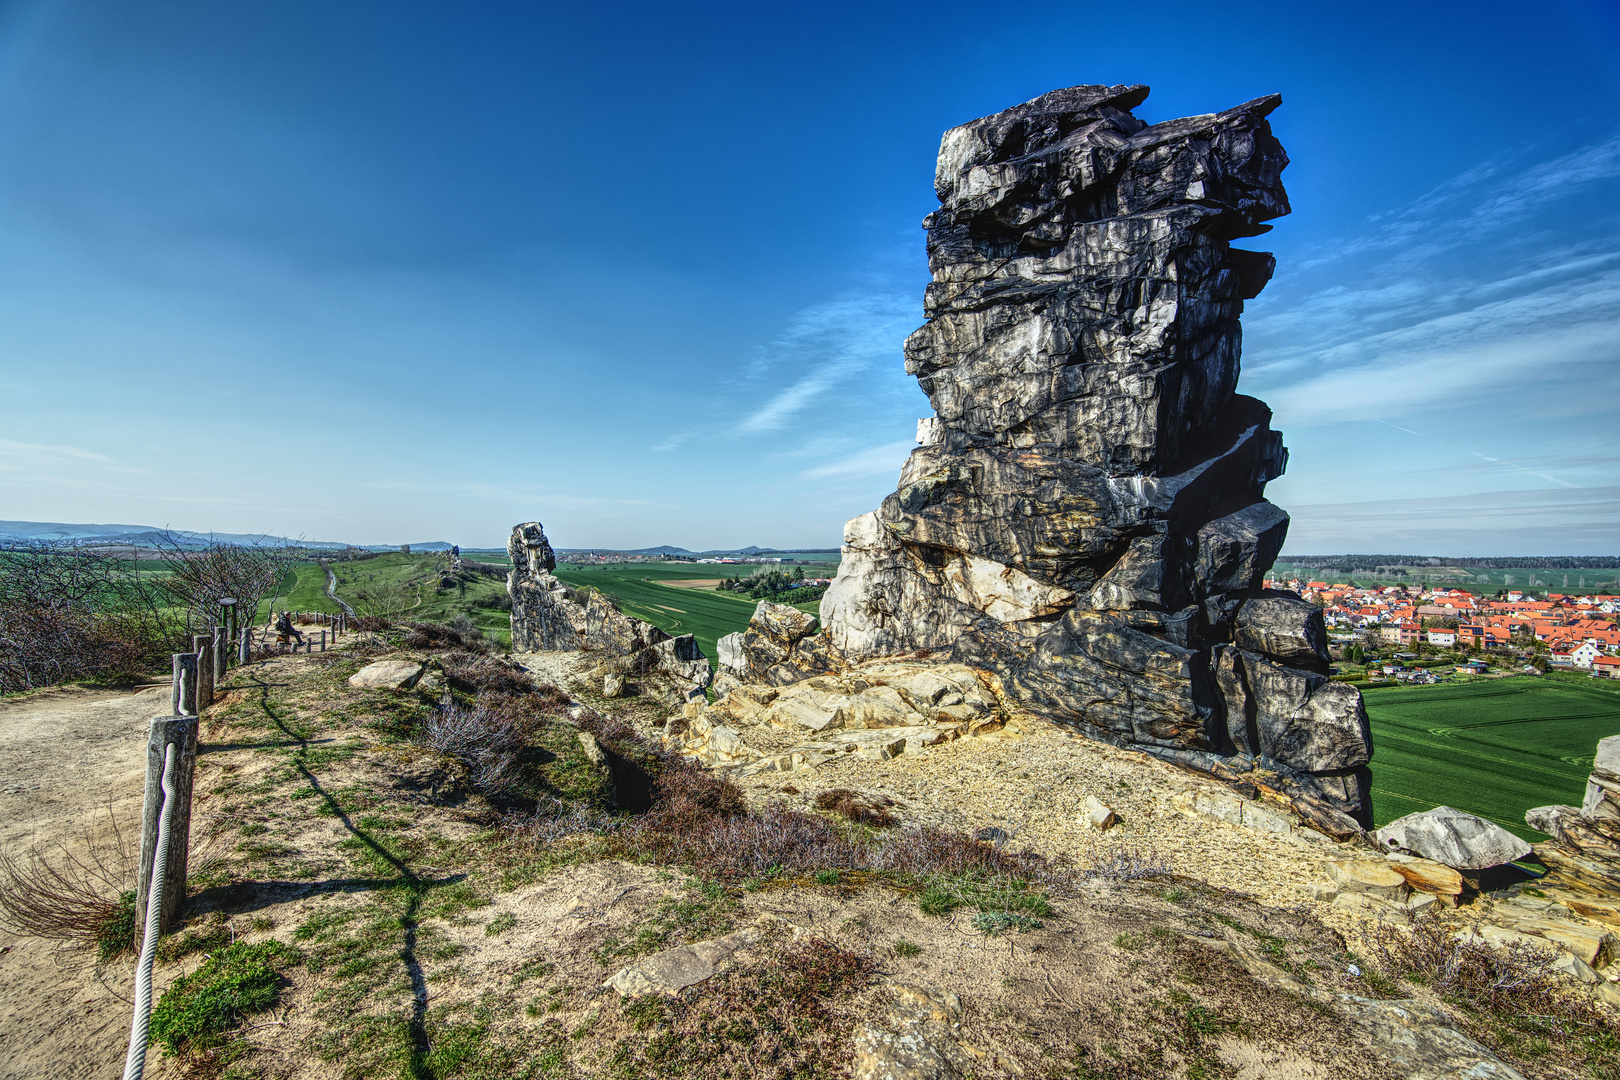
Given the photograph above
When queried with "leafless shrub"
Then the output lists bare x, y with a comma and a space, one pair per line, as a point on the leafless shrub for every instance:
850, 805
72, 895
201, 576
484, 740
554, 819
70, 612
429, 635
1128, 865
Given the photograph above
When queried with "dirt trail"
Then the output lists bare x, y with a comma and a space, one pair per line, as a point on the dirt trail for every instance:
66, 758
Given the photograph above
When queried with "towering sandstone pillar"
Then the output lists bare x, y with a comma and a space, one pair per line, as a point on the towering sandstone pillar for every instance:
1085, 515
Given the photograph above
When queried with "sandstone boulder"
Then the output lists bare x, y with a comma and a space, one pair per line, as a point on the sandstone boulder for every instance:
1460, 840
388, 675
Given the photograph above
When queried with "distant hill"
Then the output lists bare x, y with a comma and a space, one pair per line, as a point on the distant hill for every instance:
136, 535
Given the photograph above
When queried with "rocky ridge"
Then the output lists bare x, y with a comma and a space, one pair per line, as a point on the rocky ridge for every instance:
1084, 518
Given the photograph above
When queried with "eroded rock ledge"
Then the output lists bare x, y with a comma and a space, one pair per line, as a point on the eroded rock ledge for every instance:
1084, 518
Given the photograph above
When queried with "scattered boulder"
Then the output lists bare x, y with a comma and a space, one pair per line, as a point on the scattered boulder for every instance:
1459, 840
612, 685
1098, 815
1426, 875
1368, 877
388, 675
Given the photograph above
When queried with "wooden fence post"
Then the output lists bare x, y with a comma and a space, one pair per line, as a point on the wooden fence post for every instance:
244, 645
203, 646
181, 731
222, 653
323, 641
184, 698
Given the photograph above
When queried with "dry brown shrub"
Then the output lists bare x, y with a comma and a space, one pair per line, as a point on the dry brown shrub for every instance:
862, 809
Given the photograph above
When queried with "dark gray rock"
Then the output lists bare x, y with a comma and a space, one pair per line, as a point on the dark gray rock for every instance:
1286, 629
1085, 515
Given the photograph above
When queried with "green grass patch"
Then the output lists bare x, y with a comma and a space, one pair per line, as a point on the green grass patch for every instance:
1494, 748
195, 1013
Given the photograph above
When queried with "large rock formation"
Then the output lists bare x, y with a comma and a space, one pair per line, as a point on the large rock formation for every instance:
1085, 514
549, 616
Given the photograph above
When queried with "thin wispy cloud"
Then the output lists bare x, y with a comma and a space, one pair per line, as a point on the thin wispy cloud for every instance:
882, 460
826, 345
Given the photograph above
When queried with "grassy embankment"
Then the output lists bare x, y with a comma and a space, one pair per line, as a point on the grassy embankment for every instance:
416, 575
1492, 748
643, 591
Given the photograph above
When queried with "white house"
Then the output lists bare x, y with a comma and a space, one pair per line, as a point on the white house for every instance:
1583, 655
1446, 638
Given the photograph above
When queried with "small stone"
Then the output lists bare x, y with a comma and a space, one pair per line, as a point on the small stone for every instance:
1098, 815
613, 686
1574, 967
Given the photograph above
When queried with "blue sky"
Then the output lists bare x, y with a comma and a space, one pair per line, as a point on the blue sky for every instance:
392, 272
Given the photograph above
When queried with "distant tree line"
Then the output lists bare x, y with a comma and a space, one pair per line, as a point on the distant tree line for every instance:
777, 586
1351, 563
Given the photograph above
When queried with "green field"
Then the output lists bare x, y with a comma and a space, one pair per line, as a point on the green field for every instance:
706, 614
1493, 748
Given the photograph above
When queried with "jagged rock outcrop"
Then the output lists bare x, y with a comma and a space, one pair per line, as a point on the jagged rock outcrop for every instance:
1584, 851
549, 616
1085, 515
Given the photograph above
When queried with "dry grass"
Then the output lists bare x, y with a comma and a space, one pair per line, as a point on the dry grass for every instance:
1509, 999
84, 896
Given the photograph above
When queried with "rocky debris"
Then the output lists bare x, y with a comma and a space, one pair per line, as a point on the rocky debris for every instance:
549, 616
1584, 852
1099, 815
672, 970
1460, 840
388, 675
1084, 517
912, 1038
876, 710
1273, 809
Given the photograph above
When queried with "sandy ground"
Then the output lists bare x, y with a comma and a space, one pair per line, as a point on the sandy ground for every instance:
71, 763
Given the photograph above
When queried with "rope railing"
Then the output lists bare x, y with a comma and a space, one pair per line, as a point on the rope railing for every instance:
135, 1060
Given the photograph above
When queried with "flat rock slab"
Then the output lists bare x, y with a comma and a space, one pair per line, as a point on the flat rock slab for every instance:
388, 675
1420, 1038
673, 970
1457, 839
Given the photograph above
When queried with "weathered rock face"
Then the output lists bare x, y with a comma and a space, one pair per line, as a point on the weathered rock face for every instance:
548, 616
1585, 847
1085, 516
